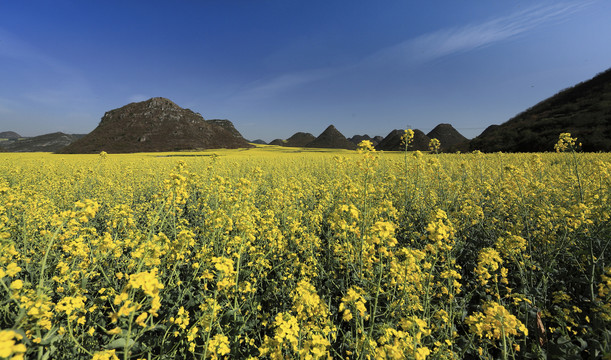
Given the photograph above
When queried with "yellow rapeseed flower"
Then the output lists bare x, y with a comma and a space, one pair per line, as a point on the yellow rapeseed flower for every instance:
12, 269
218, 346
16, 285
9, 346
105, 355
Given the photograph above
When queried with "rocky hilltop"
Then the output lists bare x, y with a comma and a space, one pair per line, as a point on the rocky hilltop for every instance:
157, 124
584, 110
331, 138
227, 125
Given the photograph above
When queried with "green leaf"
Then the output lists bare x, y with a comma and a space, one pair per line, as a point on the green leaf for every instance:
51, 337
120, 343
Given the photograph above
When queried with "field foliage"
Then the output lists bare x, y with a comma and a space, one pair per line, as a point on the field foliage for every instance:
292, 253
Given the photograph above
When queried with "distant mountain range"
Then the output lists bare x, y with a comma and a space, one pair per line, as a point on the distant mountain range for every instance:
158, 124
584, 110
9, 135
332, 138
44, 143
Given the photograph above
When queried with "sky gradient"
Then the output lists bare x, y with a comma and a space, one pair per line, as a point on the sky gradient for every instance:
275, 67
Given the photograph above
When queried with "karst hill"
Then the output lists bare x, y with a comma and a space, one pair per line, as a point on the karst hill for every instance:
356, 139
299, 139
448, 136
331, 138
157, 124
394, 141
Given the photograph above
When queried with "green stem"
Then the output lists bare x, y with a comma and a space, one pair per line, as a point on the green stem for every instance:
428, 286
75, 341
363, 230
504, 343
129, 334
593, 272
576, 169
237, 278
44, 259
212, 320
375, 304
41, 280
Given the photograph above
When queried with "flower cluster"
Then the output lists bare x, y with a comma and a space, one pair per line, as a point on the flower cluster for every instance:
565, 143
495, 322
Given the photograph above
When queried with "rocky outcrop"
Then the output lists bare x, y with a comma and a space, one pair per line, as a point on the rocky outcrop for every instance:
227, 125
157, 124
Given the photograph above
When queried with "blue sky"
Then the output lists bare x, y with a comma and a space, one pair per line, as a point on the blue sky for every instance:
275, 67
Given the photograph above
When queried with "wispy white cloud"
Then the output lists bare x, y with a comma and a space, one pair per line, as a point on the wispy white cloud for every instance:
274, 85
474, 36
423, 48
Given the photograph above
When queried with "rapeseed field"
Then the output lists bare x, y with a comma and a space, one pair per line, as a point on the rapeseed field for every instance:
278, 253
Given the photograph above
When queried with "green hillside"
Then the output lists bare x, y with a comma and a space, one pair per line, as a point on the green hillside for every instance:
584, 110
